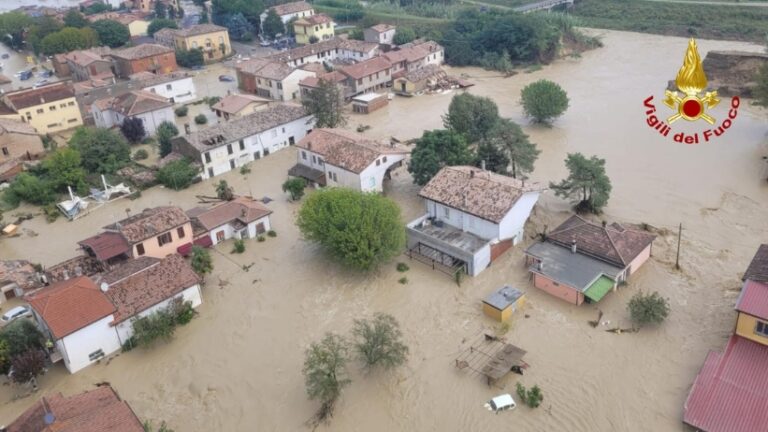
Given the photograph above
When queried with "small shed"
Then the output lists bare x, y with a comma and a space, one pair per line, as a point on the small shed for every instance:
369, 102
500, 304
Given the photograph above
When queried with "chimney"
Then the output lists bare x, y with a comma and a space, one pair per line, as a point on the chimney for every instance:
540, 265
104, 287
482, 165
65, 274
573, 246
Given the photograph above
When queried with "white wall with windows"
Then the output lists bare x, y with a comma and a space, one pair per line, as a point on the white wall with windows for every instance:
179, 91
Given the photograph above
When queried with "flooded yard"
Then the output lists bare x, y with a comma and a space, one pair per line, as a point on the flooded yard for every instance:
237, 366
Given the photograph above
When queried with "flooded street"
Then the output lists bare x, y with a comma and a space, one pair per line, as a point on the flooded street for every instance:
237, 366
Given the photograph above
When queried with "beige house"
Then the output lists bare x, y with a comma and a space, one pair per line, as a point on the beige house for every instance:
271, 79
18, 142
212, 39
288, 11
380, 33
49, 108
239, 105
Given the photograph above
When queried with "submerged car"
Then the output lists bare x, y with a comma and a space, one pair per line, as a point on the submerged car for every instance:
25, 75
226, 78
501, 403
14, 314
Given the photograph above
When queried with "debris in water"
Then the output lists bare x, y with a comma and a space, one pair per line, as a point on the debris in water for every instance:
596, 322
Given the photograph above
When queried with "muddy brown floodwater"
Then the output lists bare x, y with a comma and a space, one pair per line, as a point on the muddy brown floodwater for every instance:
237, 367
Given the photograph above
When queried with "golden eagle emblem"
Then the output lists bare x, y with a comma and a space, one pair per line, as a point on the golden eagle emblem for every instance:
691, 80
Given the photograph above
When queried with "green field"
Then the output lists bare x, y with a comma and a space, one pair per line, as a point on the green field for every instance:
678, 19
391, 18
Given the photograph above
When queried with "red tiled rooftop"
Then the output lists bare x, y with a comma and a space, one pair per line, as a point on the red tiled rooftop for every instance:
730, 394
753, 299
366, 67
291, 8
70, 305
106, 245
243, 209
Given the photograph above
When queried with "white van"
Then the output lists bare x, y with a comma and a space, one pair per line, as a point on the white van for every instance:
17, 312
501, 403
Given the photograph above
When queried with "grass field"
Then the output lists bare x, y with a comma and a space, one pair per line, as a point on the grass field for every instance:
398, 19
713, 22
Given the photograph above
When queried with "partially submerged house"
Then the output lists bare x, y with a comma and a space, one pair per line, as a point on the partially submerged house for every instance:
239, 105
97, 410
419, 80
472, 217
581, 260
368, 75
19, 142
90, 318
288, 11
730, 393
153, 58
152, 109
16, 278
319, 26
240, 218
337, 157
369, 102
271, 79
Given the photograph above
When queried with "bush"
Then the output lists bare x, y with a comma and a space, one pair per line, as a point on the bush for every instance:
181, 111
402, 267
648, 309
403, 280
544, 100
165, 133
182, 310
239, 246
403, 35
295, 187
532, 397
177, 175
31, 189
260, 238
272, 233
245, 169
190, 58
157, 325
27, 366
51, 212
201, 119
140, 154
201, 261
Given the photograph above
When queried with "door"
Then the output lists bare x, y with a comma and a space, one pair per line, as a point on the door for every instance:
291, 141
11, 293
402, 86
220, 236
260, 228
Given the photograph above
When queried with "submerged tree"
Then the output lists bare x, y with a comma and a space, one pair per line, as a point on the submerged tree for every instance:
27, 366
103, 151
492, 157
378, 341
648, 308
224, 191
326, 103
273, 24
295, 187
522, 154
472, 116
544, 100
164, 134
133, 129
436, 149
325, 372
587, 181
201, 260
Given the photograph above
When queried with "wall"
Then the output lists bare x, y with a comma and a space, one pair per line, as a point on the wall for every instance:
138, 28
160, 64
291, 84
65, 115
287, 17
96, 336
640, 259
153, 249
371, 82
152, 119
191, 294
745, 327
372, 178
564, 292
180, 91
322, 32
230, 233
103, 119
513, 224
18, 145
80, 73
481, 261
209, 42
463, 221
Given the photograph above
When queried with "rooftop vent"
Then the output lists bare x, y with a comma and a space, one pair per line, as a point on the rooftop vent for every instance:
104, 287
573, 245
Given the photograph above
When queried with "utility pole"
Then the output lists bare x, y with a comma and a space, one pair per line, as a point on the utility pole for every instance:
679, 234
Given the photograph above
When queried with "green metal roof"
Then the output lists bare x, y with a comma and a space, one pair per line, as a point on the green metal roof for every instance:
599, 288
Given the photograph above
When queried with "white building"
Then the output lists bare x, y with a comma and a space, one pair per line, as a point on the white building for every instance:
288, 11
380, 33
152, 109
338, 48
241, 218
230, 145
472, 217
336, 157
271, 79
177, 87
88, 319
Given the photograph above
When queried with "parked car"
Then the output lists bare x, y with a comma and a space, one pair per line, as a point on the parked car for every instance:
15, 313
501, 403
38, 83
226, 78
45, 74
25, 75
5, 55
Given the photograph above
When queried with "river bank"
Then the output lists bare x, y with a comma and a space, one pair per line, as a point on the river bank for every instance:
237, 366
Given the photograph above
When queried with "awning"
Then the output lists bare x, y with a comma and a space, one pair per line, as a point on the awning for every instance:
184, 249
599, 288
204, 241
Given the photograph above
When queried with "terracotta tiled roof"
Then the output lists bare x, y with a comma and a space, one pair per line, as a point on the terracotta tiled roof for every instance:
420, 74
615, 244
345, 149
150, 286
126, 269
70, 305
291, 8
274, 70
366, 67
86, 57
481, 193
314, 82
20, 272
141, 51
338, 42
409, 55
106, 245
99, 410
235, 103
758, 267
253, 65
26, 98
149, 223
9, 126
381, 28
133, 103
199, 29
243, 209
315, 67
313, 20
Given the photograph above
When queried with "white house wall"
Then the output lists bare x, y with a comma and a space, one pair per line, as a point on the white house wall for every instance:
252, 226
152, 119
291, 84
80, 344
513, 223
372, 178
191, 294
344, 178
463, 221
103, 119
181, 91
480, 261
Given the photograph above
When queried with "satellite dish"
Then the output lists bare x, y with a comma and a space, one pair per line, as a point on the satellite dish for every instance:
104, 287
49, 419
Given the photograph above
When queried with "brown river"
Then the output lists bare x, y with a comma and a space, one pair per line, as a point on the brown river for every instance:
237, 366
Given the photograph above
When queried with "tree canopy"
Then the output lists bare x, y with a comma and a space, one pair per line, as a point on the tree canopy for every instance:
436, 149
648, 308
161, 12
112, 33
201, 260
326, 104
544, 100
472, 116
178, 174
12, 27
73, 18
378, 341
403, 35
64, 168
68, 39
521, 154
359, 229
103, 151
587, 181
165, 133
190, 58
160, 23
133, 129
273, 24
325, 372
251, 10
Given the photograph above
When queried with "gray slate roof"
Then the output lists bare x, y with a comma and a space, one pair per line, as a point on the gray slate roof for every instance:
572, 269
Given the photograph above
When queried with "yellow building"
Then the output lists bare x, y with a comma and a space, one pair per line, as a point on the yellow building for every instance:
320, 26
752, 306
500, 304
212, 39
50, 108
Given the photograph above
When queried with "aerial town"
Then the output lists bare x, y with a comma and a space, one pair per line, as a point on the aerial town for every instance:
246, 215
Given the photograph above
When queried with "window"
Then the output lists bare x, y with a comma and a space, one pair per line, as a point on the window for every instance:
446, 212
62, 105
279, 85
96, 355
180, 232
242, 145
360, 81
52, 108
378, 162
72, 120
221, 39
283, 130
314, 160
194, 44
304, 155
762, 328
5, 151
232, 164
256, 155
163, 239
384, 159
229, 149
70, 104
377, 75
168, 87
210, 172
140, 249
207, 158
39, 111
152, 90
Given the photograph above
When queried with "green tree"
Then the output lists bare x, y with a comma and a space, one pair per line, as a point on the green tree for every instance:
95, 8
201, 261
204, 18
359, 229
326, 104
73, 18
177, 175
239, 27
273, 24
133, 129
403, 35
325, 374
587, 181
103, 151
160, 10
544, 100
436, 149
290, 30
493, 156
472, 116
313, 39
64, 168
27, 366
295, 187
163, 427
521, 153
378, 341
224, 191
12, 27
21, 335
42, 27
160, 23
648, 308
357, 34
31, 189
201, 119
157, 325
112, 33
190, 58
164, 134
760, 91
68, 39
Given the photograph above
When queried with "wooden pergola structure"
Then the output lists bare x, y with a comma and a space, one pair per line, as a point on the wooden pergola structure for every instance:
491, 357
